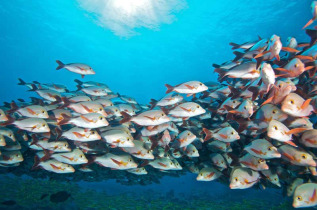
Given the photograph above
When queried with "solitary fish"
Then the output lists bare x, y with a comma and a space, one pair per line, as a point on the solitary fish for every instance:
78, 68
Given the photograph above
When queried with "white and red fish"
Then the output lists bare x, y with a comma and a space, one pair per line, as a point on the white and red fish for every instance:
118, 138
243, 178
294, 105
81, 134
278, 131
78, 68
208, 174
309, 138
253, 162
52, 166
226, 134
116, 161
189, 88
296, 156
187, 109
11, 157
139, 151
91, 120
305, 195
147, 118
261, 148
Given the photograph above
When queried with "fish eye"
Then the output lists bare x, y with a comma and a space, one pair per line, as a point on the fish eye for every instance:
232, 133
197, 106
275, 179
81, 156
279, 85
299, 198
92, 132
43, 125
17, 155
274, 111
162, 114
236, 179
148, 151
100, 109
304, 156
260, 161
43, 111
116, 110
143, 169
234, 102
65, 145
292, 101
270, 148
188, 134
275, 127
245, 107
200, 84
128, 139
296, 65
101, 118
130, 160
10, 135
201, 174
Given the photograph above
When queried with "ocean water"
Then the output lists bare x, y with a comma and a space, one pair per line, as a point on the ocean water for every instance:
135, 50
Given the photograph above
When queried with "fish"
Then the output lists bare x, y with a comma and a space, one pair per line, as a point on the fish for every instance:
52, 166
187, 110
305, 195
190, 88
296, 156
243, 178
116, 161
78, 68
81, 134
118, 138
261, 148
90, 120
309, 138
147, 118
208, 174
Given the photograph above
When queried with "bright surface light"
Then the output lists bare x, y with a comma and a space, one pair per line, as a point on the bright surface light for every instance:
123, 16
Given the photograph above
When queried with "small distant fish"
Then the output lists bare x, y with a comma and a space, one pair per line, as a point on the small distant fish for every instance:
60, 196
78, 68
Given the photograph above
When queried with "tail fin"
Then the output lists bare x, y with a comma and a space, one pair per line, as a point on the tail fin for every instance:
21, 82
312, 34
37, 101
208, 134
78, 81
66, 102
36, 163
14, 107
34, 140
169, 88
238, 55
47, 155
153, 103
216, 65
65, 119
221, 72
9, 121
78, 87
34, 88
36, 82
234, 45
58, 134
60, 65
126, 117
21, 100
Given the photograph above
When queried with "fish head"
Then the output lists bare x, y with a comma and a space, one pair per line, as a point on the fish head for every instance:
63, 146
16, 156
272, 151
292, 103
200, 87
132, 163
236, 183
68, 168
81, 158
305, 195
42, 128
198, 110
102, 121
3, 116
305, 158
262, 164
93, 134
276, 130
148, 155
2, 141
291, 42
231, 133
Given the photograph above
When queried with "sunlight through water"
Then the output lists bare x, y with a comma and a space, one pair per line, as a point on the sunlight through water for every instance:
122, 17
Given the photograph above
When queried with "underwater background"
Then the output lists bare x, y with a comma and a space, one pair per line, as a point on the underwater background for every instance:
135, 54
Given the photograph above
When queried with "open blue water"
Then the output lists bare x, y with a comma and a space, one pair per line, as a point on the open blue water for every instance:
138, 58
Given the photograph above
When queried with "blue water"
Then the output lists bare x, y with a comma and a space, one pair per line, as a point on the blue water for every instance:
138, 61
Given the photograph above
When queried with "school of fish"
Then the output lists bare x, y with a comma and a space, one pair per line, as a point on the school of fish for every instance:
256, 127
